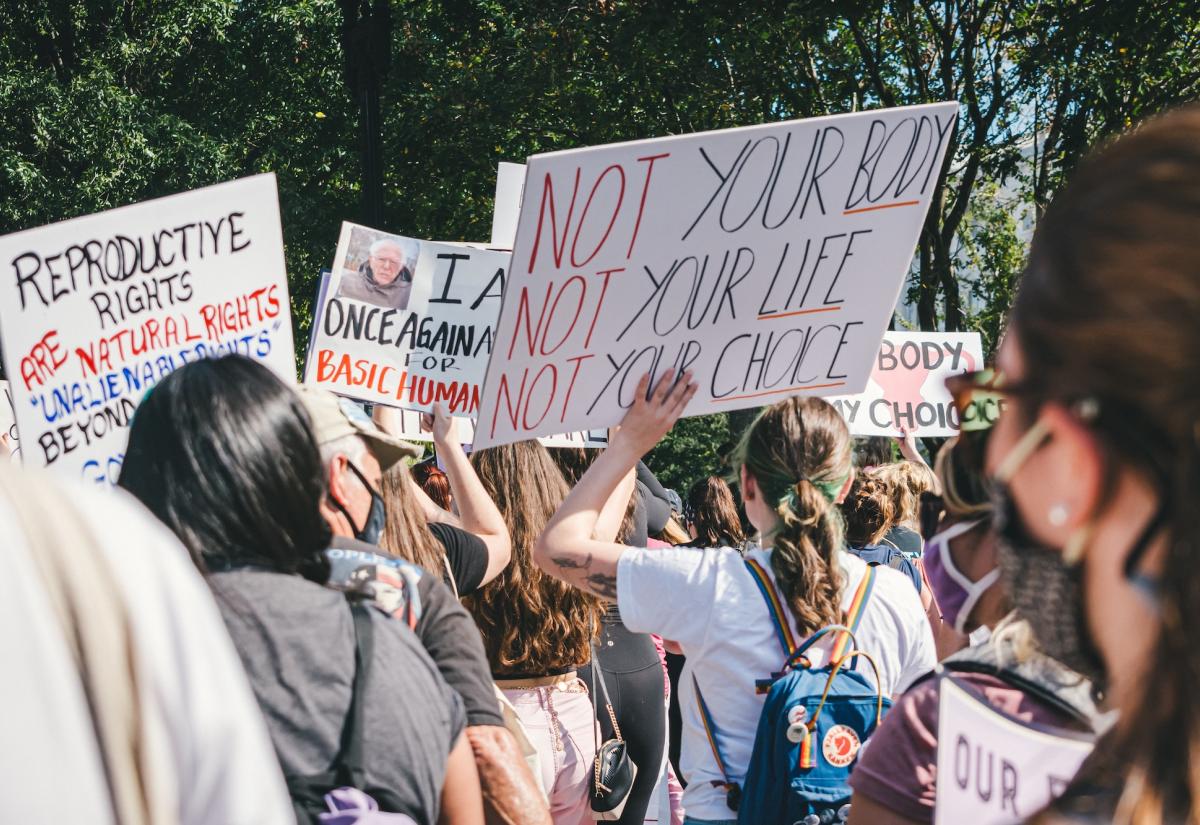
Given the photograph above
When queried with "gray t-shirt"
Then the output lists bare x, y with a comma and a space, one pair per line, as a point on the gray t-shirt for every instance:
296, 640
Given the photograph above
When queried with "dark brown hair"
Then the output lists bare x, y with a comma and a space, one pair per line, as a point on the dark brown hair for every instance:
712, 512
798, 452
530, 622
1109, 310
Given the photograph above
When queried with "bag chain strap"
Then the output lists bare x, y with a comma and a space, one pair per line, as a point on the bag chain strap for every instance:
612, 715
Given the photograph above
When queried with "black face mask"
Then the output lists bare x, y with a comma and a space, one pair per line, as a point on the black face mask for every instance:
372, 531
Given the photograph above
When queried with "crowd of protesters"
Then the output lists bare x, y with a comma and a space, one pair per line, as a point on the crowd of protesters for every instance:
289, 614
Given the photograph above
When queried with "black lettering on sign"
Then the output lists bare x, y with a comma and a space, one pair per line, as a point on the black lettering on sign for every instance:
453, 258
750, 181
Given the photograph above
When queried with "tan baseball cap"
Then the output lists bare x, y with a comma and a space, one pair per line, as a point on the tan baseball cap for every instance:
334, 417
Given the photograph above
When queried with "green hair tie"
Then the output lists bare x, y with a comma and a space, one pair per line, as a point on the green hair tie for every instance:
829, 489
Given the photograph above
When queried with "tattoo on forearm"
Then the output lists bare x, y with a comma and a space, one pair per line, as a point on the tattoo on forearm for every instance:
602, 585
568, 563
599, 583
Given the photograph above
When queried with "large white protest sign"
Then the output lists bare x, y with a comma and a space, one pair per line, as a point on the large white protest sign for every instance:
907, 391
510, 186
995, 770
406, 424
95, 311
768, 260
406, 323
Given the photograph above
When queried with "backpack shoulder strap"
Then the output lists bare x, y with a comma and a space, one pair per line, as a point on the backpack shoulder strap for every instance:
783, 629
733, 791
350, 755
854, 614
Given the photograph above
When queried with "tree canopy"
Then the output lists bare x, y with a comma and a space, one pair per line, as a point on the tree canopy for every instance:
107, 102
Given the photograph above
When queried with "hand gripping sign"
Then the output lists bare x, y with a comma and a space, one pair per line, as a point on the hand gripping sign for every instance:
96, 310
767, 260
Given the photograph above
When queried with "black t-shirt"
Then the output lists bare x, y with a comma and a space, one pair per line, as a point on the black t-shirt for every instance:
444, 627
467, 556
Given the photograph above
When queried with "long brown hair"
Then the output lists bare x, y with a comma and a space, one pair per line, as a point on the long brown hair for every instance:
1109, 310
798, 452
405, 530
712, 513
530, 622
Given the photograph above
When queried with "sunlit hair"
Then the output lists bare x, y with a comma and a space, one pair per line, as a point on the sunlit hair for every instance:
531, 623
713, 514
798, 452
434, 482
405, 530
869, 510
673, 533
907, 481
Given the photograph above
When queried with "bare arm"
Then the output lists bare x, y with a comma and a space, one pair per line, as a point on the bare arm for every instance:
462, 801
908, 448
477, 513
511, 796
567, 548
608, 523
388, 418
866, 811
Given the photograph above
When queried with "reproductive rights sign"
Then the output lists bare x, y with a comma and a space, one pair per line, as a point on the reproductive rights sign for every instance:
767, 260
907, 391
97, 310
406, 323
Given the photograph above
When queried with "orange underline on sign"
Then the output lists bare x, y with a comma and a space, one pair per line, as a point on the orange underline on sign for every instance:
778, 392
769, 317
881, 206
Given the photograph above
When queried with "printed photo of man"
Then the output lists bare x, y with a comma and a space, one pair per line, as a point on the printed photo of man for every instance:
384, 278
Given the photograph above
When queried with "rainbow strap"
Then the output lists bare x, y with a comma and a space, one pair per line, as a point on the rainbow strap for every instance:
854, 614
783, 628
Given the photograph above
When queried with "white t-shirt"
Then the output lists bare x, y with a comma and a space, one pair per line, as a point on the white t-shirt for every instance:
707, 601
209, 740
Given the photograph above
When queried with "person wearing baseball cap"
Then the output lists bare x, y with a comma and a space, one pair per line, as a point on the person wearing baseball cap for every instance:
356, 453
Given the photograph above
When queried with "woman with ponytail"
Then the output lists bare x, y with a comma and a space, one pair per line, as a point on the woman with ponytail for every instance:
795, 466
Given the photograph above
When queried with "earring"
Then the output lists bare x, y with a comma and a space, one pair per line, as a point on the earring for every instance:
1076, 545
1058, 515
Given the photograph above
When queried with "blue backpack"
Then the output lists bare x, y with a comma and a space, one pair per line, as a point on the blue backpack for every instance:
889, 556
813, 723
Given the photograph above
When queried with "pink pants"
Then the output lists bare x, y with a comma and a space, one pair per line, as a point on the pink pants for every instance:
560, 724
